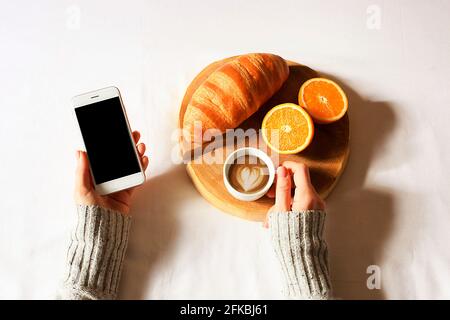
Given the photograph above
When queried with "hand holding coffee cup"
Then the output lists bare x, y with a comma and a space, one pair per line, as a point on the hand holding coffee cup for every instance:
294, 175
249, 174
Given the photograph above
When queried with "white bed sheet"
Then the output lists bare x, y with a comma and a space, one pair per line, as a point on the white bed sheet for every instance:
390, 209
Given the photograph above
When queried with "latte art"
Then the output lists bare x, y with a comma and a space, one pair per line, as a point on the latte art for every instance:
248, 174
249, 178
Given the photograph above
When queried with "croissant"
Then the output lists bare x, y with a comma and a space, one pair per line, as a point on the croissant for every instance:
235, 91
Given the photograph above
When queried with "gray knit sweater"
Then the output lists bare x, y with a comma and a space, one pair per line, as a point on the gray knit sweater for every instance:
302, 253
99, 241
95, 256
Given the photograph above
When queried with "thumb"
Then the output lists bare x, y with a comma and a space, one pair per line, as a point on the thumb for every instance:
302, 179
83, 182
283, 190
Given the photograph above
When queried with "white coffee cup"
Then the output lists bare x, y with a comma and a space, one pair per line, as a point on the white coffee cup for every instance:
249, 152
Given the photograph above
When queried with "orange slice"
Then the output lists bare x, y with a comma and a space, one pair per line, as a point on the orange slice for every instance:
287, 128
324, 100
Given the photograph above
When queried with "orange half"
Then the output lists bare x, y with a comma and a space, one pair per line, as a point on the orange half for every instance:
287, 128
324, 100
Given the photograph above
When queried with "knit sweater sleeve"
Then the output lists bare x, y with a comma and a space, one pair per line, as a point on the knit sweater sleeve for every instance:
302, 253
95, 255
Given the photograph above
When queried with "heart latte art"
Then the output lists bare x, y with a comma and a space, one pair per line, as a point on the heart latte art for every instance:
248, 174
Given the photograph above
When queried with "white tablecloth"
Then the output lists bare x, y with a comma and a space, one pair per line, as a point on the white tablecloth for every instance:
390, 209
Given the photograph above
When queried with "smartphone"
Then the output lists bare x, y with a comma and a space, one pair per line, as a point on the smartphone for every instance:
113, 157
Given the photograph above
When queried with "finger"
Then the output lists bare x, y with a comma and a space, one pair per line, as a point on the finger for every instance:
122, 197
129, 191
271, 192
305, 197
300, 171
83, 183
141, 149
309, 200
298, 204
283, 190
144, 162
272, 189
136, 136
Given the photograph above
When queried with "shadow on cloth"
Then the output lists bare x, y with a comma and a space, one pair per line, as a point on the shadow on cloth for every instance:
154, 230
360, 218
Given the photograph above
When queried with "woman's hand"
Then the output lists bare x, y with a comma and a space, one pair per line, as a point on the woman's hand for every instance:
294, 174
84, 188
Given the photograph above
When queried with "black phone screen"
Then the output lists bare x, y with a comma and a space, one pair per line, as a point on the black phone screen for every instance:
107, 140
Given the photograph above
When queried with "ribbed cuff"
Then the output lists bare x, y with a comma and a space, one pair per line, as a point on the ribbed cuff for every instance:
96, 253
302, 252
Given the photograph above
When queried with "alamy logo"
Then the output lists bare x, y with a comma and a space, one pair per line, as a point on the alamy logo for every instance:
373, 21
73, 21
374, 280
211, 146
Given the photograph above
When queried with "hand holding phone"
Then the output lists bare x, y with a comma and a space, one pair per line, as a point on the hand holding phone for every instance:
113, 164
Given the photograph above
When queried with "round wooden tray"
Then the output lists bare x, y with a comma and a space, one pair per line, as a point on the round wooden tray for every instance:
326, 156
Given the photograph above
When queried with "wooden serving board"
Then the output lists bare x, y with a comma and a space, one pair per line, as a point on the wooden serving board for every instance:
326, 156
